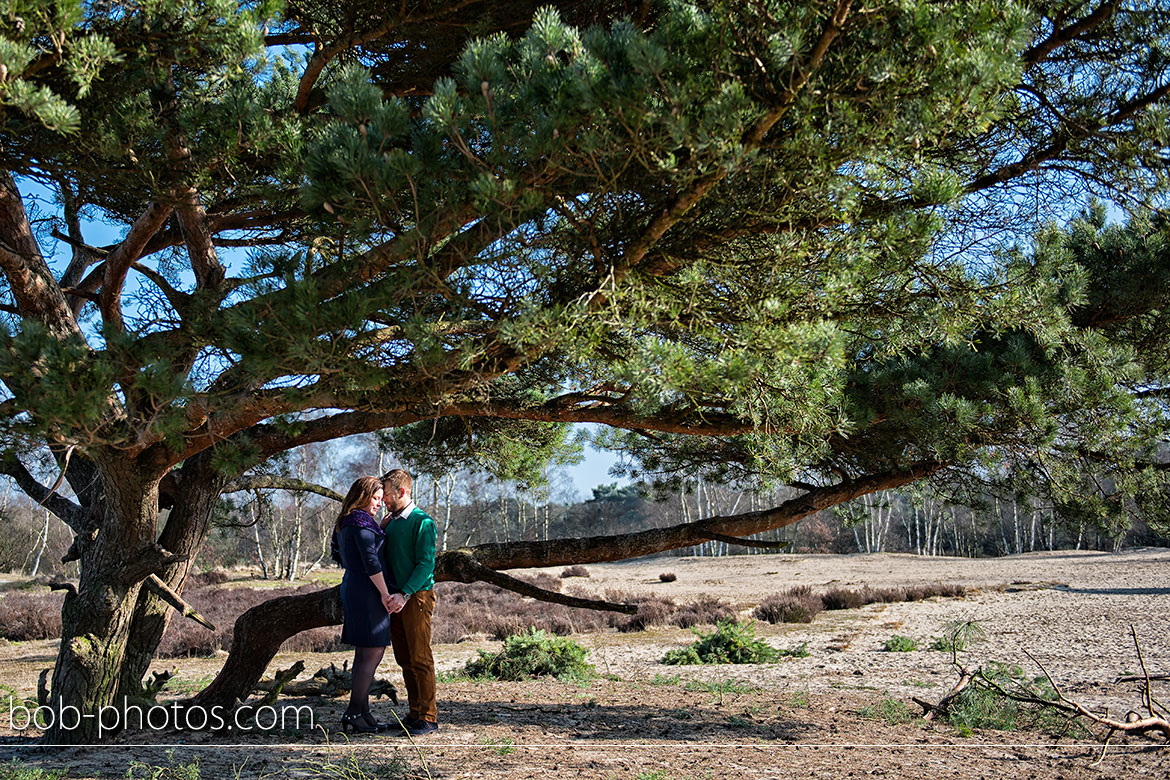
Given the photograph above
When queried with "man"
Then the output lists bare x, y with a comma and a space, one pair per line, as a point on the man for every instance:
410, 552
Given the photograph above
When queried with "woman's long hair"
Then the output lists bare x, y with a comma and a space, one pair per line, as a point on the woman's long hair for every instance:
360, 493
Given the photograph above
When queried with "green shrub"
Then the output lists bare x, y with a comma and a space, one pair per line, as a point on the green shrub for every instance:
980, 706
730, 643
899, 644
532, 654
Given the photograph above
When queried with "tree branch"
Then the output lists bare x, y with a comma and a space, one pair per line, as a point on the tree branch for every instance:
803, 70
272, 482
118, 262
1064, 35
748, 542
35, 291
164, 592
70, 513
461, 566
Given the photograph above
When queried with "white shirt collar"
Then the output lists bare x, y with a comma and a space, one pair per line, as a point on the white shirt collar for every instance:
405, 511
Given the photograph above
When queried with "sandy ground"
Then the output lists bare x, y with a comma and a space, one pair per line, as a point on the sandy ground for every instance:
801, 717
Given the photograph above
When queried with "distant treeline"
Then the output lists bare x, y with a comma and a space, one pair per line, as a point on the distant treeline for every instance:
285, 535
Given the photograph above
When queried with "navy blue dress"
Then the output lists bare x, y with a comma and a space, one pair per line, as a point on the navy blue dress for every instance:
367, 623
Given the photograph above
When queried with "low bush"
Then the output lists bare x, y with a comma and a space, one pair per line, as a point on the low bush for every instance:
847, 598
25, 616
534, 653
885, 595
800, 651
703, 611
543, 581
222, 606
575, 571
899, 644
729, 643
843, 598
667, 576
204, 578
796, 605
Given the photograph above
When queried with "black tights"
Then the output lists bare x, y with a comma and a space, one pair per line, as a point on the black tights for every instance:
365, 663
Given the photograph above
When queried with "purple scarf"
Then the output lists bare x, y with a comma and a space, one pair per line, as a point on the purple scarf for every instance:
359, 518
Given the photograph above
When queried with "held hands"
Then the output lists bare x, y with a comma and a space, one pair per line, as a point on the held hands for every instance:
394, 602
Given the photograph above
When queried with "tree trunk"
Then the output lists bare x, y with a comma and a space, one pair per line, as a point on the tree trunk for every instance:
96, 620
184, 533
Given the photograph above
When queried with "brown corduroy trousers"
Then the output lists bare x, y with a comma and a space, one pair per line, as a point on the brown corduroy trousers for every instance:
410, 635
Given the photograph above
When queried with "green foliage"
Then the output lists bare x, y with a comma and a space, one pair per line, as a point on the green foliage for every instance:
172, 770
532, 654
983, 705
959, 635
800, 651
15, 769
800, 700
891, 711
720, 686
730, 643
508, 449
501, 747
899, 644
482, 248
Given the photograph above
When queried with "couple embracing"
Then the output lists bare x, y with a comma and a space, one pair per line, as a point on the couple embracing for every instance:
387, 596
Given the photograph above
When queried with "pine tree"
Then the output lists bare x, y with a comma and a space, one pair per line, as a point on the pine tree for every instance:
807, 243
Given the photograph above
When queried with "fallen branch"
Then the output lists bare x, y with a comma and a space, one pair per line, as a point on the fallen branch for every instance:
328, 681
929, 711
1155, 720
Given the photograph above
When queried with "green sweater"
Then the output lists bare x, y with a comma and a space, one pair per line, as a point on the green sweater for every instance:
410, 551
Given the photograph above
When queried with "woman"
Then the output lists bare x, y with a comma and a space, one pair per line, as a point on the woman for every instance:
365, 595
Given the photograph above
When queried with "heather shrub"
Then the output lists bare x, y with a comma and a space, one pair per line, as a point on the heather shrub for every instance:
843, 598
222, 606
705, 610
543, 581
651, 612
575, 571
796, 605
205, 578
667, 576
25, 616
885, 595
